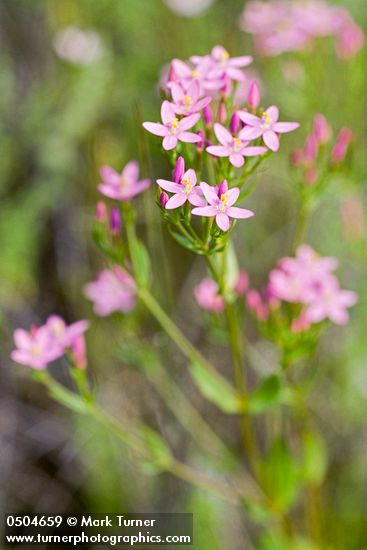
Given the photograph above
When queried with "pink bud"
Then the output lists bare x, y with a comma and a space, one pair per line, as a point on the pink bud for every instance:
178, 170
311, 175
163, 199
341, 146
350, 40
223, 188
101, 212
322, 130
115, 221
311, 149
242, 283
79, 352
222, 113
300, 324
200, 144
208, 115
297, 157
172, 73
254, 98
234, 125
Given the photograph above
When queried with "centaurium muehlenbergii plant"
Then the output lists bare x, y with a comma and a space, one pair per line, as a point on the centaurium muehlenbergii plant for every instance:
213, 146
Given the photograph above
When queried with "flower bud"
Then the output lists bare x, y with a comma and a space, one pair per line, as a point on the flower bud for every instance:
311, 149
253, 98
178, 170
101, 212
79, 352
222, 113
208, 115
341, 146
223, 188
234, 125
322, 130
297, 157
200, 144
115, 221
242, 283
163, 199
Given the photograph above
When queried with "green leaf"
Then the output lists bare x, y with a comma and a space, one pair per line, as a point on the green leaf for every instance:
216, 389
279, 475
184, 241
266, 396
141, 262
160, 454
315, 459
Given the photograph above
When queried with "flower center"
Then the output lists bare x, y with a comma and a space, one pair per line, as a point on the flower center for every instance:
188, 185
266, 120
187, 100
222, 206
58, 328
223, 56
173, 125
122, 183
237, 144
36, 350
195, 74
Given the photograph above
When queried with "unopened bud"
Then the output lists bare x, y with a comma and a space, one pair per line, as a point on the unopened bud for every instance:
163, 199
178, 170
115, 221
101, 212
254, 98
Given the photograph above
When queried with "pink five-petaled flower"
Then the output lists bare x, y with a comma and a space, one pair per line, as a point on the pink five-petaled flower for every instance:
185, 190
233, 147
223, 65
65, 334
35, 348
173, 129
207, 296
124, 186
220, 205
114, 290
187, 102
331, 303
266, 126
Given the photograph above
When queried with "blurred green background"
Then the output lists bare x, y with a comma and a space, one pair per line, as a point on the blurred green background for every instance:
60, 121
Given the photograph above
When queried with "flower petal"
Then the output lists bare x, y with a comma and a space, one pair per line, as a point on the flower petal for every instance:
195, 199
131, 171
169, 142
250, 132
241, 213
156, 128
22, 339
177, 92
233, 195
204, 211
236, 160
209, 193
190, 175
273, 112
218, 150
271, 140
169, 186
109, 175
176, 201
188, 122
167, 112
254, 151
248, 118
222, 221
241, 61
285, 127
235, 74
188, 137
223, 135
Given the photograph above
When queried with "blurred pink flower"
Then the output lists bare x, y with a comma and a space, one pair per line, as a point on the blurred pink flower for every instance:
65, 334
331, 303
220, 205
256, 304
114, 290
233, 147
173, 129
185, 190
124, 186
267, 126
36, 348
223, 66
206, 295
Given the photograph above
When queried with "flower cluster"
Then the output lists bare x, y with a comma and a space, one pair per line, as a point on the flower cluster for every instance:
44, 344
314, 158
307, 281
283, 25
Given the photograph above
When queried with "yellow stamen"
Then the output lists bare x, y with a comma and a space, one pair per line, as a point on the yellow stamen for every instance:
195, 74
266, 118
187, 100
224, 199
174, 123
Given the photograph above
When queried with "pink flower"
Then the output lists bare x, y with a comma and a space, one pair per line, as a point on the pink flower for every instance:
173, 129
65, 334
233, 147
187, 102
207, 296
185, 190
267, 126
331, 303
36, 348
220, 205
256, 304
114, 290
124, 186
186, 74
223, 66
